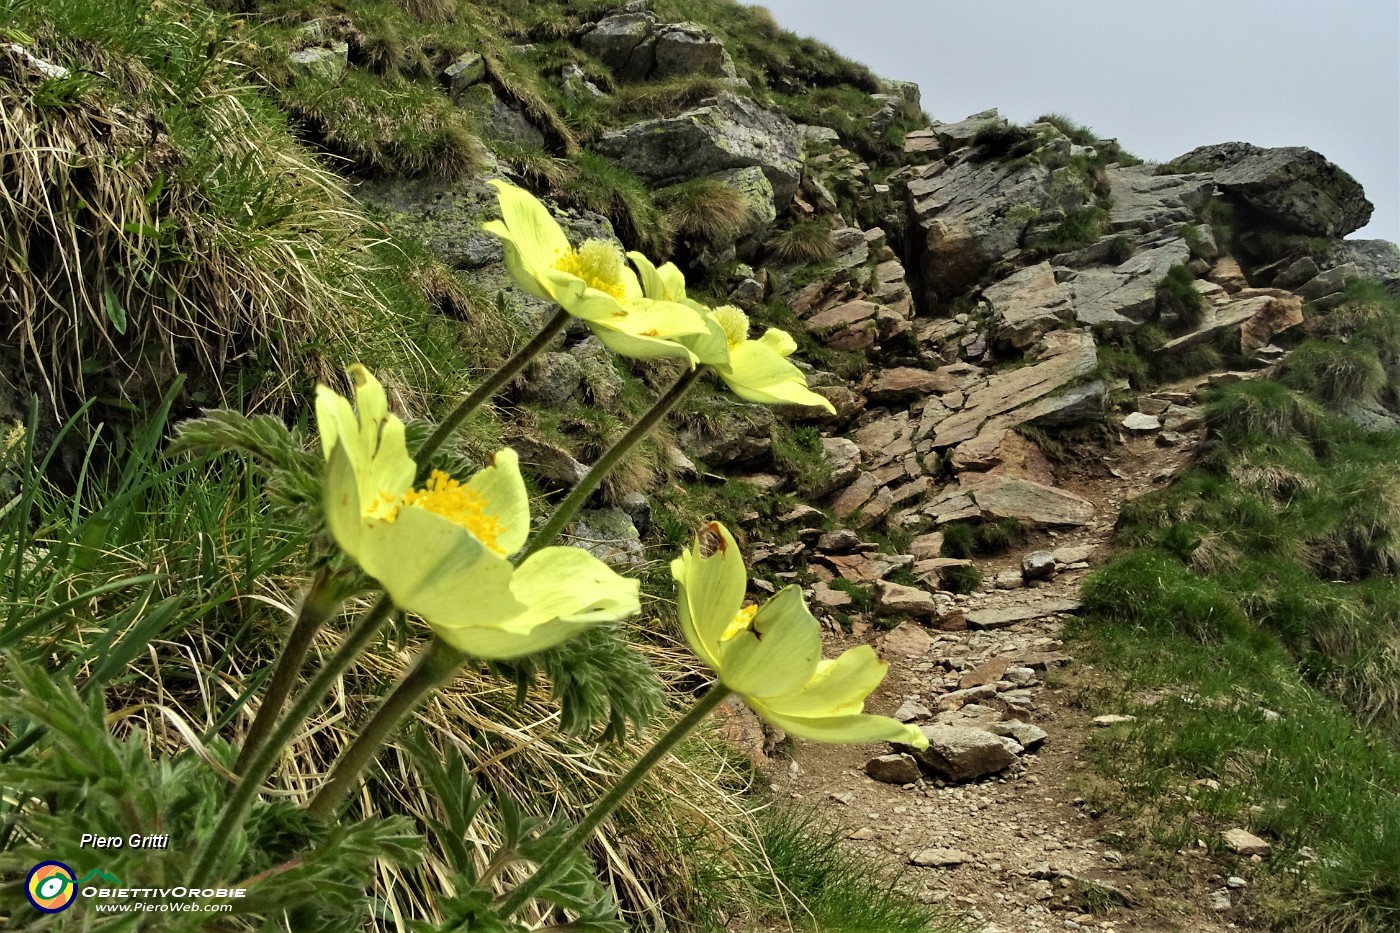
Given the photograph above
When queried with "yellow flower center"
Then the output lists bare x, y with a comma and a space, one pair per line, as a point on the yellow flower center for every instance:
735, 324
743, 621
599, 263
443, 495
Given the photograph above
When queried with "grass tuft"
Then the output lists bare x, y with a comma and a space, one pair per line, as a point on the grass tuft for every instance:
704, 209
806, 241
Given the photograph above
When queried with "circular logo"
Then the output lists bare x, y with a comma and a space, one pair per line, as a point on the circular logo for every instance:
51, 887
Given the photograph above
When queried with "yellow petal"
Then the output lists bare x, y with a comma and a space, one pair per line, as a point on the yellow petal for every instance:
564, 590
836, 688
711, 591
779, 654
779, 341
525, 274
373, 439
340, 498
335, 419
666, 283
711, 347
573, 295
530, 226
759, 374
439, 570
570, 584
843, 729
501, 485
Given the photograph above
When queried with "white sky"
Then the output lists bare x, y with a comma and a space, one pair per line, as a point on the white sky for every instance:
1161, 77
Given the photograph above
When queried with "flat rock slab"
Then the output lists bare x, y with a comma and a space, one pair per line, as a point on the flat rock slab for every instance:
1144, 200
938, 858
1029, 501
724, 132
1259, 318
907, 640
1027, 304
904, 383
1028, 735
1068, 355
1009, 615
1126, 293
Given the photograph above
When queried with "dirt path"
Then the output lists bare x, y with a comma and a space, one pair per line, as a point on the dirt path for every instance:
1017, 851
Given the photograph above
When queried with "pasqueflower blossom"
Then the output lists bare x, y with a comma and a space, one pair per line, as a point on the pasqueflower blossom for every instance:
441, 551
755, 370
771, 655
592, 281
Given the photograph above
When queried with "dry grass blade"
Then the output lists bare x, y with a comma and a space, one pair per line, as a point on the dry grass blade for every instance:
134, 255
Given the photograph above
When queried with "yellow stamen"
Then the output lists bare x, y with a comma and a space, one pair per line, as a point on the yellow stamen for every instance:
443, 495
599, 263
735, 324
743, 621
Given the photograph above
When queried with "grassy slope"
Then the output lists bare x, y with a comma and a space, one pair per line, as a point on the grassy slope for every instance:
1253, 626
237, 179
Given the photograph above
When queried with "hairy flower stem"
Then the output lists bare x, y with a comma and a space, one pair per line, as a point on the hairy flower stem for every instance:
316, 607
487, 390
575, 500
434, 667
584, 830
266, 759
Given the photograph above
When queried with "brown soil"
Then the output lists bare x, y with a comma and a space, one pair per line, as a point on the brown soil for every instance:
1035, 858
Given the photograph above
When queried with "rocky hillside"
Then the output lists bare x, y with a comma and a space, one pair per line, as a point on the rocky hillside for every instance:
998, 314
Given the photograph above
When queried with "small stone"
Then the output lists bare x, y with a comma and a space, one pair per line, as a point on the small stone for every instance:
1170, 439
912, 711
841, 541
1220, 900
962, 753
845, 796
1029, 736
862, 834
1038, 565
907, 640
893, 599
1020, 676
1243, 842
1009, 580
1142, 423
893, 769
938, 858
927, 546
829, 597
1113, 719
1235, 882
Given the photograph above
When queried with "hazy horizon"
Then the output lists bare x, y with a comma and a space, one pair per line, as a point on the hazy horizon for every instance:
1161, 80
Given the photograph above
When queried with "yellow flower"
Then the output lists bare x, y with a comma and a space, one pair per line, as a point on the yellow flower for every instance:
772, 654
441, 550
592, 282
755, 370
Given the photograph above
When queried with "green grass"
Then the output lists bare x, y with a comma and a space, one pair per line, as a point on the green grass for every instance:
1179, 306
828, 887
1081, 227
624, 199
388, 125
1265, 579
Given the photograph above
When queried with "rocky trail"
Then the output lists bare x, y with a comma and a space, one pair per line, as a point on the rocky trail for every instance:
996, 829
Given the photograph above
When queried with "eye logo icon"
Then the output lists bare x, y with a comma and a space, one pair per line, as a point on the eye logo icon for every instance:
51, 887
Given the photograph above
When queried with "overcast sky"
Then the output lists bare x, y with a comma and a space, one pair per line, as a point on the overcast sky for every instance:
1163, 78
